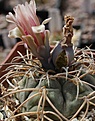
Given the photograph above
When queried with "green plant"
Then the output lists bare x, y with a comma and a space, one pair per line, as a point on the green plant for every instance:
48, 84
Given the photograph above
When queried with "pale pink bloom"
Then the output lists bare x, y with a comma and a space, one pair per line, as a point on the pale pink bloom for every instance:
28, 26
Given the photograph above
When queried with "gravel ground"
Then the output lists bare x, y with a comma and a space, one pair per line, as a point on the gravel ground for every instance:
90, 116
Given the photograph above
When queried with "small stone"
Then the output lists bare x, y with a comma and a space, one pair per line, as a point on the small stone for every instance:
75, 119
1, 116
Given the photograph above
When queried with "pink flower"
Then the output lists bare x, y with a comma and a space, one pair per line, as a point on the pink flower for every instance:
28, 27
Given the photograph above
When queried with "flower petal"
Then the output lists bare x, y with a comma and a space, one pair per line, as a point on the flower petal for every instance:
46, 41
10, 18
39, 32
22, 19
46, 20
15, 33
38, 29
33, 5
31, 10
31, 44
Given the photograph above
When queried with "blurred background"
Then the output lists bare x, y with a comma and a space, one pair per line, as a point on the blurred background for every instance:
83, 12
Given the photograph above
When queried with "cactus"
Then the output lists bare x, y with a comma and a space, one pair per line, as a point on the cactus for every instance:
47, 85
